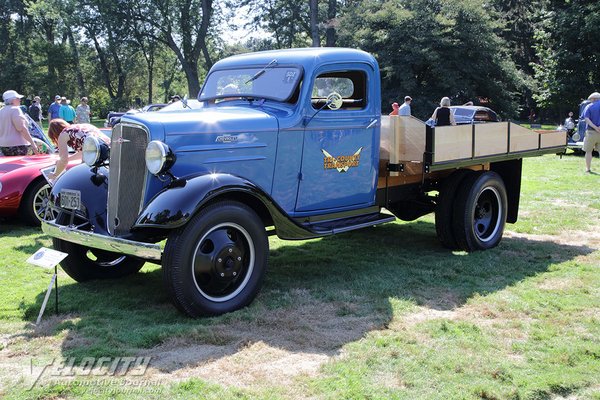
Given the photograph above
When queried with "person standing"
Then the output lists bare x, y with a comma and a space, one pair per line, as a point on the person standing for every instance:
442, 115
569, 124
15, 139
395, 108
405, 108
592, 135
35, 111
82, 112
54, 109
66, 112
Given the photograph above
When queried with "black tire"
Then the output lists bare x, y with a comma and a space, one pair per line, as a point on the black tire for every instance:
480, 212
216, 263
83, 263
445, 207
34, 205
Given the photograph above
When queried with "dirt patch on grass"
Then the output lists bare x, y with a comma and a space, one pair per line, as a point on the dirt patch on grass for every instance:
276, 346
568, 238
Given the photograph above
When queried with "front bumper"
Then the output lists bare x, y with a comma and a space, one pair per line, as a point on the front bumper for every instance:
147, 251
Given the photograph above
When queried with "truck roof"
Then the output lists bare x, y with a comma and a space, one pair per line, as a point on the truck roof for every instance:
307, 57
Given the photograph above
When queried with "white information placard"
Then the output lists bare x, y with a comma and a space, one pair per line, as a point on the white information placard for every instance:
46, 258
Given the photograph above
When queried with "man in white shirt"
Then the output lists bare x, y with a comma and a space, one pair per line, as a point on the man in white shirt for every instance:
405, 108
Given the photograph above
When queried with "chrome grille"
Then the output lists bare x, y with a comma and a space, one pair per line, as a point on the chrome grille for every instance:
127, 177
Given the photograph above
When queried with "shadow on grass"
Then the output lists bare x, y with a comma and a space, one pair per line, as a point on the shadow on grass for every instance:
318, 296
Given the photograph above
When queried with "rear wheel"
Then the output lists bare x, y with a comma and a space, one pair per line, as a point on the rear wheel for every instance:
480, 212
217, 262
35, 203
445, 207
84, 263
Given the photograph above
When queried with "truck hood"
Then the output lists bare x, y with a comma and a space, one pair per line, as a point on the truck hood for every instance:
210, 120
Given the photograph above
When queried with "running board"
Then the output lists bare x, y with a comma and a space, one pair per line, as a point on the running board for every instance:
348, 224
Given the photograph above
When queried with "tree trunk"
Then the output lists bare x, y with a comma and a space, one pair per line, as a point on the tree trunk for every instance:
103, 65
331, 21
78, 72
314, 23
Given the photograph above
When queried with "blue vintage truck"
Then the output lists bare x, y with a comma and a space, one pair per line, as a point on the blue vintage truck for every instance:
289, 143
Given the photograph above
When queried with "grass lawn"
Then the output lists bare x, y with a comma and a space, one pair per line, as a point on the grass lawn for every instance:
380, 313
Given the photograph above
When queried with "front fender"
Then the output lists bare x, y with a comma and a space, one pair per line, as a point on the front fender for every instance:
94, 193
174, 206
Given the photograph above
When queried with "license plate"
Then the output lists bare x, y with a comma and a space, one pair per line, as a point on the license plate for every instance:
70, 199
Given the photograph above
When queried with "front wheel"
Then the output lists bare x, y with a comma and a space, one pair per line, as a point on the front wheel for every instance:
217, 262
480, 212
84, 263
35, 205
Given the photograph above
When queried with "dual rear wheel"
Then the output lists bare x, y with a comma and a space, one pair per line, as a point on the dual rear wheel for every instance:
471, 210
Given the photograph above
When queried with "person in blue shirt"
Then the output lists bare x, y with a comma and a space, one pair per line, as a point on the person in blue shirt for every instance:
54, 109
66, 112
405, 108
592, 135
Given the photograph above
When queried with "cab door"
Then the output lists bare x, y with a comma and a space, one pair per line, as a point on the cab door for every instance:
340, 151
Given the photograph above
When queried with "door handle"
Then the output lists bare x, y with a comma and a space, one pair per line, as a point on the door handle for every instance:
372, 124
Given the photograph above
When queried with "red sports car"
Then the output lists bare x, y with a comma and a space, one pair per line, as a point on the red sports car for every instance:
23, 189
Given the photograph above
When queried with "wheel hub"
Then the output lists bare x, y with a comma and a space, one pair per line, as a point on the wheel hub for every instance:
222, 261
229, 262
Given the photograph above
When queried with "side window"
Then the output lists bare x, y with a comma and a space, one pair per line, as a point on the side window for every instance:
349, 85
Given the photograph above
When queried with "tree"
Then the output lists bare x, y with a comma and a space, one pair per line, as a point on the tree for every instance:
568, 45
431, 48
185, 27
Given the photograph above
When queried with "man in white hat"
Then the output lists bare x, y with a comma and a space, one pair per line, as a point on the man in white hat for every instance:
15, 139
592, 135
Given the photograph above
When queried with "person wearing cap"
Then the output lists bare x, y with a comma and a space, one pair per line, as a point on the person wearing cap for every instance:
66, 112
175, 98
405, 108
395, 108
35, 111
54, 109
15, 139
82, 112
592, 135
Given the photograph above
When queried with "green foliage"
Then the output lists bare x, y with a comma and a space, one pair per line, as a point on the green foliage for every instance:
567, 45
431, 49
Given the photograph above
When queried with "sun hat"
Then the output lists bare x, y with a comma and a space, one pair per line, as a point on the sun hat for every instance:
11, 94
594, 96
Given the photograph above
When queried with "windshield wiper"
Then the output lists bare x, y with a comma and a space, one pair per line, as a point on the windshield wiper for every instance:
262, 71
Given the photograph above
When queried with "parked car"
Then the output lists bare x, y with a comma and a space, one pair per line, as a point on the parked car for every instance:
473, 114
114, 117
153, 107
192, 104
575, 141
23, 189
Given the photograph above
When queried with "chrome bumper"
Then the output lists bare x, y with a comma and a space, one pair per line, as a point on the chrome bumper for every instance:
147, 251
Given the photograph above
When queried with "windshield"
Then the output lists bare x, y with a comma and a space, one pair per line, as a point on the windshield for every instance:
463, 112
274, 83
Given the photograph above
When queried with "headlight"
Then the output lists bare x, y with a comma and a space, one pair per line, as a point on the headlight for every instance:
159, 157
95, 152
